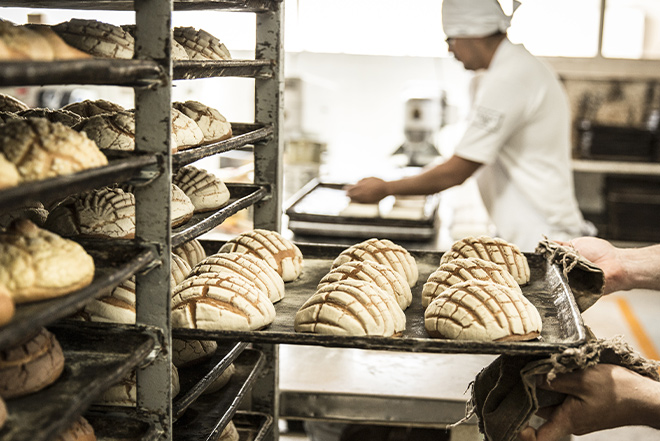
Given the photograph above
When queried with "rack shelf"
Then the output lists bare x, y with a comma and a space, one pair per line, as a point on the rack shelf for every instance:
127, 5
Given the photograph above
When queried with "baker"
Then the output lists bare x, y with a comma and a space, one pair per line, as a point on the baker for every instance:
517, 140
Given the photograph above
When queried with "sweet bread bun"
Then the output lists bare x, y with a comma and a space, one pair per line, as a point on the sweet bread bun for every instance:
10, 104
65, 117
107, 213
41, 149
206, 191
59, 48
482, 311
224, 302
221, 381
229, 433
124, 393
496, 250
190, 352
182, 207
280, 253
97, 39
31, 365
9, 176
24, 44
178, 52
350, 307
383, 276
185, 132
36, 264
200, 45
463, 269
179, 270
214, 126
31, 210
80, 430
191, 251
89, 108
7, 307
9, 116
386, 253
112, 131
253, 268
3, 412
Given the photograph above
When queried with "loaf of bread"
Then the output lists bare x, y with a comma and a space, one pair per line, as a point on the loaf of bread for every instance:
107, 213
382, 276
463, 269
246, 265
191, 352
386, 253
59, 48
178, 52
36, 264
65, 117
10, 104
206, 191
200, 45
31, 365
496, 250
89, 108
41, 149
124, 393
185, 132
112, 131
221, 381
482, 311
7, 307
31, 210
182, 207
179, 270
22, 43
280, 253
191, 251
213, 124
9, 176
351, 307
221, 301
9, 116
97, 39
80, 430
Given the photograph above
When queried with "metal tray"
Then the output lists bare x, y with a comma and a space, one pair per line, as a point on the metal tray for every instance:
252, 426
124, 425
548, 290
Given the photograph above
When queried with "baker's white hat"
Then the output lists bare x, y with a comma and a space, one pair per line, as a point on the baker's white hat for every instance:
474, 18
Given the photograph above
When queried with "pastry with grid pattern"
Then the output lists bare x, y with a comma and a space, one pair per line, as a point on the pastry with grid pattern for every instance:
351, 307
191, 251
41, 149
98, 39
185, 131
200, 45
482, 311
496, 250
213, 124
65, 117
89, 108
280, 253
191, 352
181, 207
220, 301
206, 191
178, 52
463, 269
36, 264
385, 252
10, 104
383, 276
247, 265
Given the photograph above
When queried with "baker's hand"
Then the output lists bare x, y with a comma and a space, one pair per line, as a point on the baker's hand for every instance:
367, 190
598, 398
605, 256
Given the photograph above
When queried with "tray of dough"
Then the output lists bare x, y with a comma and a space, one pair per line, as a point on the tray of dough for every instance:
323, 209
548, 291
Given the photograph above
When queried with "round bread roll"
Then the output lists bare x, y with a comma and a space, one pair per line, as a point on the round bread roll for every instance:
59, 48
214, 126
221, 381
221, 301
185, 131
179, 270
41, 149
9, 176
482, 311
80, 430
3, 412
65, 117
7, 307
178, 52
36, 264
200, 45
124, 393
386, 253
182, 207
89, 108
9, 116
10, 104
463, 269
253, 268
280, 253
31, 210
496, 250
31, 365
351, 307
206, 191
191, 251
95, 38
25, 44
383, 276
112, 131
191, 352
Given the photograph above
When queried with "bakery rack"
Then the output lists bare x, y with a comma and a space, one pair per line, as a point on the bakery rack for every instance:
97, 355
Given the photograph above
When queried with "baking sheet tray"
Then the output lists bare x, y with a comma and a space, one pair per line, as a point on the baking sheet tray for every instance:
548, 290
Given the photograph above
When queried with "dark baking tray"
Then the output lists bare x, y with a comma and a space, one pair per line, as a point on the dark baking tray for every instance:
252, 426
96, 356
548, 290
115, 261
205, 419
121, 426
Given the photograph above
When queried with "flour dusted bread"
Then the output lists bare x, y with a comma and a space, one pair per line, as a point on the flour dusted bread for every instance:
464, 269
40, 149
96, 38
214, 126
386, 253
10, 104
178, 52
60, 49
191, 251
185, 132
496, 250
112, 131
30, 210
36, 264
80, 430
280, 253
22, 43
221, 301
31, 365
190, 352
124, 393
200, 45
179, 270
206, 191
9, 176
65, 117
482, 311
382, 276
182, 207
89, 108
107, 213
246, 265
7, 307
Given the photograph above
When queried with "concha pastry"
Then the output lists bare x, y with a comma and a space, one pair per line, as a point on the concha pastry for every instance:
95, 38
107, 213
59, 48
178, 52
190, 352
214, 126
79, 430
7, 307
191, 251
179, 270
24, 44
10, 104
89, 108
224, 301
181, 207
200, 45
483, 311
41, 149
280, 253
30, 210
65, 117
385, 252
496, 250
9, 116
36, 264
124, 393
185, 131
221, 381
463, 269
350, 307
112, 131
249, 266
206, 191
383, 276
9, 176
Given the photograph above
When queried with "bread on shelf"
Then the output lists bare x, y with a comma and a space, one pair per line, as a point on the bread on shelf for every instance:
65, 117
206, 191
213, 124
7, 307
124, 392
9, 176
89, 108
79, 430
22, 43
191, 251
200, 45
96, 38
191, 352
185, 131
221, 381
60, 49
229, 433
